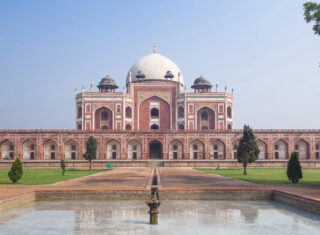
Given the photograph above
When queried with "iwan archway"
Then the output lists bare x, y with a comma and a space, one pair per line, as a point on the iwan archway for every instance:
155, 149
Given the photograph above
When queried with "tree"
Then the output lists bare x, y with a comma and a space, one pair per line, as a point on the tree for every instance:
312, 13
248, 150
63, 166
16, 171
91, 150
294, 171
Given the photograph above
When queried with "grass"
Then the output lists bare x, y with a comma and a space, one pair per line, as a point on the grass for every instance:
266, 175
45, 176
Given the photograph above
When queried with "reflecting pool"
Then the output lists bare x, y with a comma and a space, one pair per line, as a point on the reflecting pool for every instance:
176, 217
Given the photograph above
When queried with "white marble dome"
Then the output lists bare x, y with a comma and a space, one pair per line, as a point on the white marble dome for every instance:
155, 67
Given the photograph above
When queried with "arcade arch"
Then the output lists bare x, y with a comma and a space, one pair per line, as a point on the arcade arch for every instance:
134, 150
196, 149
175, 149
7, 150
71, 150
280, 150
113, 150
50, 150
217, 149
29, 149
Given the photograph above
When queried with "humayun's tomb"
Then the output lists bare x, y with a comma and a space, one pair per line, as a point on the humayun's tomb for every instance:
155, 118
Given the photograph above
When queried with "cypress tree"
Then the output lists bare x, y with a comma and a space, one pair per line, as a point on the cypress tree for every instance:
294, 171
248, 150
16, 171
63, 166
91, 150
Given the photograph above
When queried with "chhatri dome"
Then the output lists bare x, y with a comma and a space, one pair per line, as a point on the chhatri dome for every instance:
155, 67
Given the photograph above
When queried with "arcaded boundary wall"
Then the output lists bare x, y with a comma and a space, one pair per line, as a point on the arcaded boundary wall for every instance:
211, 144
103, 164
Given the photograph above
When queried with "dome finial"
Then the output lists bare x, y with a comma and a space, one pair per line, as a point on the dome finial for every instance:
154, 47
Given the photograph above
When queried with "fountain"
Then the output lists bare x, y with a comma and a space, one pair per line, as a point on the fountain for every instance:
154, 204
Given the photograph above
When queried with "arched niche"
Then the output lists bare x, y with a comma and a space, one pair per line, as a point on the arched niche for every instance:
263, 150
7, 150
229, 112
196, 149
50, 150
29, 150
234, 151
103, 119
181, 112
206, 118
154, 110
128, 112
217, 150
301, 148
113, 150
134, 150
280, 150
71, 150
175, 150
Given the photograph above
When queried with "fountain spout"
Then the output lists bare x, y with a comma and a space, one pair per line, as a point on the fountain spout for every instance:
154, 204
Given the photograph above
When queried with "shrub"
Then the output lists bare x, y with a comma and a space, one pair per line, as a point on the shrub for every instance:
294, 171
16, 171
63, 166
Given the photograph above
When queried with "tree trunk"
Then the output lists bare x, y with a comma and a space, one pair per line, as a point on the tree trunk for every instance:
89, 165
245, 168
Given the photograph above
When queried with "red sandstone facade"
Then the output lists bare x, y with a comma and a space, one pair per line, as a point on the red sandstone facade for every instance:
155, 119
211, 145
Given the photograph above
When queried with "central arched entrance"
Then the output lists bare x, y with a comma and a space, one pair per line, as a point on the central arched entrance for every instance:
155, 149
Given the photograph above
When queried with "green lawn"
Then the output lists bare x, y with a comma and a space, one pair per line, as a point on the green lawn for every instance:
45, 176
266, 175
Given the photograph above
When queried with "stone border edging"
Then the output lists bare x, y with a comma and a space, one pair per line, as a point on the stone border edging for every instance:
297, 201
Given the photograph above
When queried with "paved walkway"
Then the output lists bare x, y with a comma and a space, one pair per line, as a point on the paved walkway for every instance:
116, 180
187, 179
176, 179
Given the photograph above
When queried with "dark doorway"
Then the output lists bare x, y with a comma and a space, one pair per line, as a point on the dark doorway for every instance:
155, 150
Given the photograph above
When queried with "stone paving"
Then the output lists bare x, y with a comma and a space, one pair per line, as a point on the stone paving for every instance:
172, 179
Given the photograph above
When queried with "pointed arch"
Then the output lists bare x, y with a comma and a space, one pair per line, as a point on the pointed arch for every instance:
50, 148
134, 149
206, 118
180, 112
196, 149
71, 149
128, 112
234, 148
29, 149
217, 149
103, 118
263, 147
113, 149
175, 149
162, 117
155, 149
7, 150
301, 147
280, 149
317, 150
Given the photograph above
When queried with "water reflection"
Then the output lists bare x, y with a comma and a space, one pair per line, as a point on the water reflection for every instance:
176, 217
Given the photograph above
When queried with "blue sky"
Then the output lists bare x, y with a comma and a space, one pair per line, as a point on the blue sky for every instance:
262, 49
